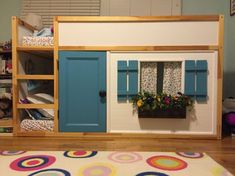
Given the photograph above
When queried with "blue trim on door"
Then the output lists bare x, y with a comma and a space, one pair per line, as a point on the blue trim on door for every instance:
201, 81
133, 78
81, 76
189, 85
122, 81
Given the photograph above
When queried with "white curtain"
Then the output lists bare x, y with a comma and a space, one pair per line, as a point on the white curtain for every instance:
172, 78
148, 77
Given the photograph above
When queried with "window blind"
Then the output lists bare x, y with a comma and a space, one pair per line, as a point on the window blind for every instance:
50, 8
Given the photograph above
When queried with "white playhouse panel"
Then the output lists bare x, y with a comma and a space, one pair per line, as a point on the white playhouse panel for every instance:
138, 33
202, 120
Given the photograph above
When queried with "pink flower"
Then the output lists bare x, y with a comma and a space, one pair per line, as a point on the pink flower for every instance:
167, 100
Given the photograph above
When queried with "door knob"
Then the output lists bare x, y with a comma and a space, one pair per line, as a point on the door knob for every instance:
102, 93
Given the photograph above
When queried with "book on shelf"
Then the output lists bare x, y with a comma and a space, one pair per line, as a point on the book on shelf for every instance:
5, 91
6, 129
5, 98
2, 66
5, 65
7, 87
5, 81
5, 107
33, 114
5, 84
8, 66
5, 76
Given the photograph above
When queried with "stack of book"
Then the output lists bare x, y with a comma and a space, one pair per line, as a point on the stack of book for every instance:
5, 62
5, 96
5, 87
5, 58
5, 66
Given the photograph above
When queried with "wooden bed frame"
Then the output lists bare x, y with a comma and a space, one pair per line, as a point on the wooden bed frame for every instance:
17, 47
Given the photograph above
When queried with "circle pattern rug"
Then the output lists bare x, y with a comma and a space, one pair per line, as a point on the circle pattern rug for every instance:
32, 162
125, 157
193, 155
98, 169
51, 172
80, 154
9, 153
108, 163
151, 174
167, 163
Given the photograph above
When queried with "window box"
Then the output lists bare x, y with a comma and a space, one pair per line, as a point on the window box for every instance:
178, 113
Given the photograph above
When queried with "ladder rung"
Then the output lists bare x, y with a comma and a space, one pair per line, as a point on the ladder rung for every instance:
35, 77
35, 48
35, 106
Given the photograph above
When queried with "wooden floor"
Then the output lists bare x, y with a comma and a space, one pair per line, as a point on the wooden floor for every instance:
222, 151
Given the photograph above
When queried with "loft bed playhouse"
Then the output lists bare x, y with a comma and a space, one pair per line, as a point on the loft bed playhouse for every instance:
84, 79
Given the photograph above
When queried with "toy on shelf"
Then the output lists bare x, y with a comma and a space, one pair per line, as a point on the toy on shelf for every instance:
229, 115
5, 107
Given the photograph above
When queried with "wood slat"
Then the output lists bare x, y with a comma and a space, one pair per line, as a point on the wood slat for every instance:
131, 135
35, 77
35, 106
6, 123
6, 134
56, 72
122, 135
137, 19
15, 61
31, 133
35, 48
220, 76
139, 48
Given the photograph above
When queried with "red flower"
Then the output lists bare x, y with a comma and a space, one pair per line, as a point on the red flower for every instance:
167, 100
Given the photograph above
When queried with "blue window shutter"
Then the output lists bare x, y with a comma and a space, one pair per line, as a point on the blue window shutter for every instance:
122, 81
201, 81
189, 86
133, 78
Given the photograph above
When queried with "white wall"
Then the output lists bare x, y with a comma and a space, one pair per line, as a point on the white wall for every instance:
208, 7
201, 120
8, 8
138, 33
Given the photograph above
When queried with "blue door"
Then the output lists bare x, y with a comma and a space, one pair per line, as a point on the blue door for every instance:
82, 91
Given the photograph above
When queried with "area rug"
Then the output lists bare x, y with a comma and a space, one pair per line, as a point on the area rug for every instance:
103, 163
